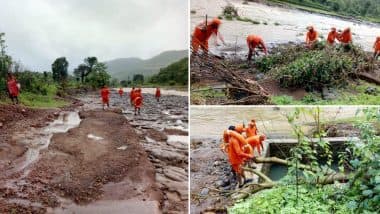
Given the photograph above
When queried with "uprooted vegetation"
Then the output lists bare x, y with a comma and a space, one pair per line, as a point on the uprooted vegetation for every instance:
230, 12
317, 68
304, 75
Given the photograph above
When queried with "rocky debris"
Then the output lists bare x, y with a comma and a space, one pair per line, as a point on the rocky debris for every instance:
371, 91
329, 94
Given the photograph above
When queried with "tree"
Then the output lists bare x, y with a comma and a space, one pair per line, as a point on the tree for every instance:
59, 68
138, 78
99, 76
85, 69
80, 72
124, 83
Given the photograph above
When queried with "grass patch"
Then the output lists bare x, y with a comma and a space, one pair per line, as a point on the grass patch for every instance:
41, 101
352, 94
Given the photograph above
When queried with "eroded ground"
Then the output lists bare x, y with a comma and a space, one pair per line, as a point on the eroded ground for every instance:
86, 160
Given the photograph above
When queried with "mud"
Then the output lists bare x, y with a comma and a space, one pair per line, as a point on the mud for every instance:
107, 163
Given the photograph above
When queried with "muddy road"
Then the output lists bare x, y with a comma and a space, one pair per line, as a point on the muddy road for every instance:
85, 160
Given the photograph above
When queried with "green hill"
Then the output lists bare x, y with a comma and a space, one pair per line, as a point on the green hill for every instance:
126, 67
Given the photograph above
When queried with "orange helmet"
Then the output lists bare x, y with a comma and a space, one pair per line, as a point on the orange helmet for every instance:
347, 30
378, 38
216, 22
239, 128
333, 29
310, 28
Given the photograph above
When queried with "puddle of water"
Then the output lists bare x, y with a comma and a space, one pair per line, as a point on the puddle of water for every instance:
177, 139
125, 206
212, 122
122, 148
38, 139
91, 136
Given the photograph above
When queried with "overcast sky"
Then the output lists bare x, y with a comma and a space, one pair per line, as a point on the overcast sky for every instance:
39, 31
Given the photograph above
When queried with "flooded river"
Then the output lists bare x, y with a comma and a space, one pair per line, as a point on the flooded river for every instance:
211, 121
283, 25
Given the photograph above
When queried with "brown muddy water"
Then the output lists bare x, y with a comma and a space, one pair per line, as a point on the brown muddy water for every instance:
290, 27
209, 122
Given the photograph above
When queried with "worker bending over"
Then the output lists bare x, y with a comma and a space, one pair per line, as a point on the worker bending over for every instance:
311, 36
202, 34
254, 41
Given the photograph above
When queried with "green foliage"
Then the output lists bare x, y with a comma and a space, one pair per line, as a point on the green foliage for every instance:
315, 70
5, 63
283, 200
138, 79
174, 74
230, 10
298, 193
59, 68
98, 76
297, 67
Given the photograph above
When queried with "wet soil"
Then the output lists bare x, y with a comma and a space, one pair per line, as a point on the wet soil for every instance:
111, 161
210, 175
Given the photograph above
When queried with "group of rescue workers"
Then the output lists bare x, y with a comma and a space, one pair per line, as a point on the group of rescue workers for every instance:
135, 97
240, 144
205, 30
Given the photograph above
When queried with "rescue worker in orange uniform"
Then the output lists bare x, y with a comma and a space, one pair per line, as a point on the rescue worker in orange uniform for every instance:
13, 88
256, 142
105, 92
254, 41
121, 92
202, 34
376, 48
158, 94
236, 155
332, 36
311, 36
132, 95
137, 101
346, 36
251, 130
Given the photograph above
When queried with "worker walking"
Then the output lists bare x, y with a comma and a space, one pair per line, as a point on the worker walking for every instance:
138, 100
132, 95
121, 92
104, 93
158, 94
13, 88
346, 36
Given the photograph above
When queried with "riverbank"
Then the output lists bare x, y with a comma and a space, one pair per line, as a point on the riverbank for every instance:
239, 82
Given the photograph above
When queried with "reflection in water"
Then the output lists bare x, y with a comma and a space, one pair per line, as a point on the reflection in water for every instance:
211, 121
292, 24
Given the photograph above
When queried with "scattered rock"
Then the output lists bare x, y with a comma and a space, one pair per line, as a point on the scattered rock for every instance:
371, 91
204, 191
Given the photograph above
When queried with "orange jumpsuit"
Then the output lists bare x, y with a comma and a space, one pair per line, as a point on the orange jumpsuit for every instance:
105, 92
236, 155
12, 87
158, 93
311, 36
121, 92
376, 46
346, 36
137, 101
255, 142
132, 95
332, 36
202, 34
254, 41
251, 131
